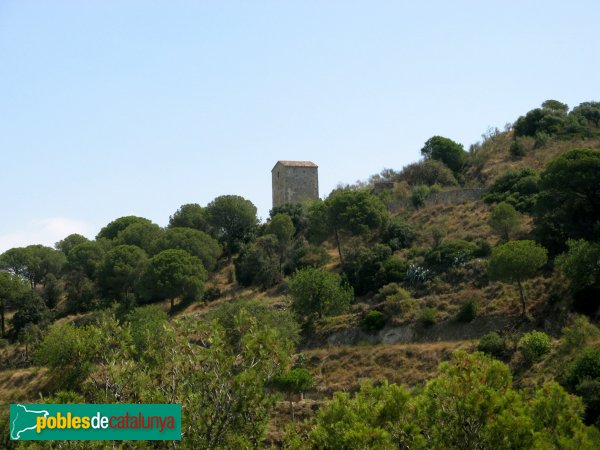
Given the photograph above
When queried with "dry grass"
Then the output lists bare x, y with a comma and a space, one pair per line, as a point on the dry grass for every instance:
344, 368
21, 385
494, 159
468, 221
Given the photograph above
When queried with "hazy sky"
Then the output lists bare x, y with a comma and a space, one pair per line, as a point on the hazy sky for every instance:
112, 108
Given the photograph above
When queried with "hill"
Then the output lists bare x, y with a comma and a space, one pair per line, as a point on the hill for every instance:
395, 280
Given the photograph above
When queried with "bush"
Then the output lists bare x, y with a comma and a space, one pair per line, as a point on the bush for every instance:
534, 345
467, 312
258, 263
419, 195
583, 376
578, 333
517, 149
427, 173
492, 344
366, 271
295, 381
585, 366
416, 274
211, 294
318, 292
373, 321
452, 253
519, 188
398, 234
428, 316
307, 256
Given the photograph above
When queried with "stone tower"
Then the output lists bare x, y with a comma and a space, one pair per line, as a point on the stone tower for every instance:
294, 182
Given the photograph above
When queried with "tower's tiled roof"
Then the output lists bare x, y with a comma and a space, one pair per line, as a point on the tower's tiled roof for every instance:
297, 163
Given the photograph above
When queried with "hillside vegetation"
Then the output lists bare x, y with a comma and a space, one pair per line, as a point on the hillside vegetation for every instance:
452, 303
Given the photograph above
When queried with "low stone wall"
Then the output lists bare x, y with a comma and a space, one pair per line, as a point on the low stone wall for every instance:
452, 197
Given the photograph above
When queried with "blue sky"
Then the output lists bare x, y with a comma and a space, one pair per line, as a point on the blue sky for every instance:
111, 108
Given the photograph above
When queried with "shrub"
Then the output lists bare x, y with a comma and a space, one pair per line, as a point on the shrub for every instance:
391, 289
258, 263
519, 188
428, 316
585, 366
211, 294
366, 268
517, 149
467, 312
578, 333
419, 195
492, 344
452, 253
398, 234
534, 345
295, 381
428, 173
416, 274
373, 321
307, 256
318, 292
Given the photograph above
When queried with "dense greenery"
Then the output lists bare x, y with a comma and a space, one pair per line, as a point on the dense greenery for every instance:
569, 199
471, 405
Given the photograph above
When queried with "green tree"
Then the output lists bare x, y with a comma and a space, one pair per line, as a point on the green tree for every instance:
282, 227
68, 350
84, 258
398, 234
556, 106
258, 263
534, 345
551, 119
111, 230
12, 287
69, 242
80, 273
581, 263
33, 262
569, 201
365, 421
516, 261
31, 308
172, 274
504, 220
520, 188
222, 387
587, 113
145, 324
297, 212
233, 219
281, 321
195, 242
142, 234
295, 381
190, 215
119, 270
470, 405
354, 212
315, 291
445, 150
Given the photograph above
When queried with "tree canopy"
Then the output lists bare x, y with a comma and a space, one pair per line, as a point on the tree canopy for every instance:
516, 261
171, 274
445, 150
233, 219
